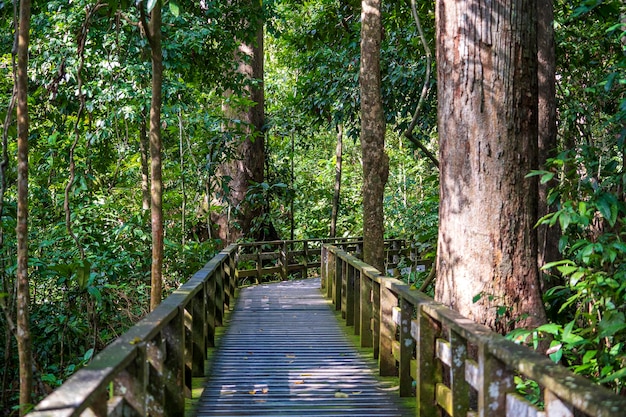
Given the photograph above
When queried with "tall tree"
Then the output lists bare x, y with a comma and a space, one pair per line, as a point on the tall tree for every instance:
375, 160
547, 237
23, 293
487, 91
153, 33
337, 190
247, 164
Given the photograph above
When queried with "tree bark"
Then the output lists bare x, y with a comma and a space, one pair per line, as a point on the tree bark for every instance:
236, 221
156, 181
337, 192
487, 94
23, 292
144, 146
547, 237
375, 160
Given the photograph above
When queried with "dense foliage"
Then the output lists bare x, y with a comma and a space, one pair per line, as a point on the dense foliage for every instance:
79, 304
586, 310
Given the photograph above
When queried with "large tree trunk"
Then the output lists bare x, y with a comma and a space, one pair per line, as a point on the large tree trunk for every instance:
375, 160
337, 193
23, 294
487, 90
236, 220
547, 237
156, 181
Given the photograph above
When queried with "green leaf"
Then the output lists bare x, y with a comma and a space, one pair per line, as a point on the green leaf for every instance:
477, 297
174, 8
564, 220
615, 375
567, 269
551, 328
611, 323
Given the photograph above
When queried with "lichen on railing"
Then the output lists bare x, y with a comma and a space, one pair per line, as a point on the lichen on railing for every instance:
446, 361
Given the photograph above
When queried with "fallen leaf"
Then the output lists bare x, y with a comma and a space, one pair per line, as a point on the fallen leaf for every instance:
252, 392
265, 390
298, 382
290, 356
356, 392
306, 374
340, 394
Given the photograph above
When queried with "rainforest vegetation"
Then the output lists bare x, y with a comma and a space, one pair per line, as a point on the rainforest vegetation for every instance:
109, 163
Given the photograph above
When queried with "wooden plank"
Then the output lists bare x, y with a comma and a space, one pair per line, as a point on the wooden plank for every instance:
284, 353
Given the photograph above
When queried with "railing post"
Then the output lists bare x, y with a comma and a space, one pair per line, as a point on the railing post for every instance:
337, 285
459, 387
376, 309
388, 301
324, 268
345, 289
198, 336
283, 261
174, 366
356, 300
366, 310
330, 275
259, 265
219, 297
131, 383
209, 290
406, 348
495, 381
305, 262
428, 373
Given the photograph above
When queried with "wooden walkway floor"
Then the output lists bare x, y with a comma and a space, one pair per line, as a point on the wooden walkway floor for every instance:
285, 354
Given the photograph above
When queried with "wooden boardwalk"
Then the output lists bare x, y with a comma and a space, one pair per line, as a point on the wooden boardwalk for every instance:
285, 354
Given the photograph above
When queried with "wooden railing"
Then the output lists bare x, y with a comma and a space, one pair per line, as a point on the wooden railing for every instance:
148, 370
280, 259
448, 362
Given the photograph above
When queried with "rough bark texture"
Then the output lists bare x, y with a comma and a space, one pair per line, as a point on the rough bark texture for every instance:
23, 293
375, 160
156, 181
237, 220
487, 91
337, 193
547, 237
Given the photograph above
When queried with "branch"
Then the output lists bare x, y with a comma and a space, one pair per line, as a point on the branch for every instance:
144, 23
421, 147
425, 88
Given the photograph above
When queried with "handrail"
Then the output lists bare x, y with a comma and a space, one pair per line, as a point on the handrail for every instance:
445, 360
148, 370
255, 260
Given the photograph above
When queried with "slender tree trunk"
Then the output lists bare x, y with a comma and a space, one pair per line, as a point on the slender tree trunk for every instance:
337, 194
487, 88
249, 166
144, 146
23, 295
375, 160
181, 151
156, 184
547, 237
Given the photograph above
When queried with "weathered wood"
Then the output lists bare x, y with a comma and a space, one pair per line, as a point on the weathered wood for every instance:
407, 344
459, 387
367, 312
284, 353
146, 365
388, 301
425, 331
350, 296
